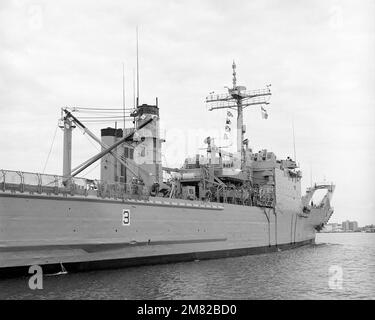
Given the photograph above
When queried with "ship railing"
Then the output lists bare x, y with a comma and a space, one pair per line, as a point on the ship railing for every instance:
265, 201
264, 196
28, 182
260, 196
122, 190
257, 92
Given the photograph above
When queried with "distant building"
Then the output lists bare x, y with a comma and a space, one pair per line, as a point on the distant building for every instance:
345, 225
332, 227
328, 228
337, 227
367, 228
348, 226
353, 225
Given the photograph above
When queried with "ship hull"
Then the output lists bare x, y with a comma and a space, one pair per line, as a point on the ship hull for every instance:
85, 233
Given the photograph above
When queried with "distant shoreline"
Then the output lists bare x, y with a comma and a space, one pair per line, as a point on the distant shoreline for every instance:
346, 232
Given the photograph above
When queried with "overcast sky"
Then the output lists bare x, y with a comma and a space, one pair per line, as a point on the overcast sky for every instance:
318, 55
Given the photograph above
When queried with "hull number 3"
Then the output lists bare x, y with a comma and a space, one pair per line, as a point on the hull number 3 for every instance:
125, 217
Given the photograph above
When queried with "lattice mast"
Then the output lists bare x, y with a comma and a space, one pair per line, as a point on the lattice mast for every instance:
238, 98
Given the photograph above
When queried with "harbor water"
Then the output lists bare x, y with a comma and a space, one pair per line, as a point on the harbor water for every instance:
338, 266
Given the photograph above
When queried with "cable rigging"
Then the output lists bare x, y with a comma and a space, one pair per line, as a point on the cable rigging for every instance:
50, 150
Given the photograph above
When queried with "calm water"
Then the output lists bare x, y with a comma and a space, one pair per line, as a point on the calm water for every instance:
304, 273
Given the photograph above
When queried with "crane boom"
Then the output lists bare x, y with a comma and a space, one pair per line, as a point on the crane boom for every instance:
95, 138
107, 149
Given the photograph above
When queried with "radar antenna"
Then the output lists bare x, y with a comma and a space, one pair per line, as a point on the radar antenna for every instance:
238, 98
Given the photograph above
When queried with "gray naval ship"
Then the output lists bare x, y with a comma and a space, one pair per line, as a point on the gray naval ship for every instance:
216, 205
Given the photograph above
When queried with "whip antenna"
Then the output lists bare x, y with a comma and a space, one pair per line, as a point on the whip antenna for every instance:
137, 69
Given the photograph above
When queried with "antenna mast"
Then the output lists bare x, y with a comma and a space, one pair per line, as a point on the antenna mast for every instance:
137, 69
294, 143
238, 98
123, 92
134, 105
234, 75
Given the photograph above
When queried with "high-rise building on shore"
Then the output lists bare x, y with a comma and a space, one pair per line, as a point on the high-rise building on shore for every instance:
353, 225
349, 225
346, 226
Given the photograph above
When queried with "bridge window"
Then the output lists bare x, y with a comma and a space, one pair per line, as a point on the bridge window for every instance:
129, 153
143, 152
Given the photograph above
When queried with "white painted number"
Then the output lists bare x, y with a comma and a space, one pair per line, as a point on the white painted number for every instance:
125, 217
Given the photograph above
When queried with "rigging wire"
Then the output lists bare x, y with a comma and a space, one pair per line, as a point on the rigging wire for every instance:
50, 150
98, 121
93, 112
101, 117
100, 109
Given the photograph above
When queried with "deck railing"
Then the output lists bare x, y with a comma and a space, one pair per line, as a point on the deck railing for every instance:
37, 183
